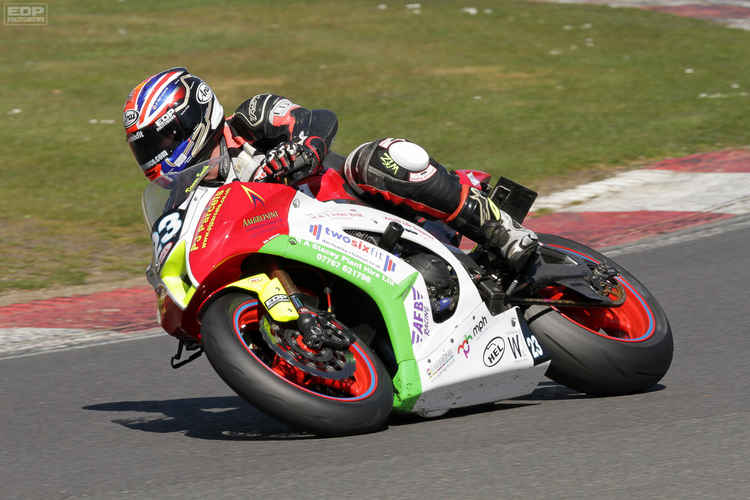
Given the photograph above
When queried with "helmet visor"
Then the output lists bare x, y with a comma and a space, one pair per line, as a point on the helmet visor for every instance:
150, 146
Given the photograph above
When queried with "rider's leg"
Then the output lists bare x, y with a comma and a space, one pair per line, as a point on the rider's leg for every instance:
402, 173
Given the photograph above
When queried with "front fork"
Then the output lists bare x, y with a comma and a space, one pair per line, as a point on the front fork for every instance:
284, 303
318, 329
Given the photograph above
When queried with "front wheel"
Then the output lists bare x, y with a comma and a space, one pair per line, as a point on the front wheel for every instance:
603, 350
356, 401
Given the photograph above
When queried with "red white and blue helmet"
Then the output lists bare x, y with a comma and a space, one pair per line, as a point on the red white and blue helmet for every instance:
172, 119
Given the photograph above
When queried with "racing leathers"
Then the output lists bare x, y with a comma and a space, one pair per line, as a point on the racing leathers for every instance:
394, 171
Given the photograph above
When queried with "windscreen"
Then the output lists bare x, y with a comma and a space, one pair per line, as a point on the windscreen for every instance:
170, 191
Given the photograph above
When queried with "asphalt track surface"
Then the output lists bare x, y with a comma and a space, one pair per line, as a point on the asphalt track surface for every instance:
115, 421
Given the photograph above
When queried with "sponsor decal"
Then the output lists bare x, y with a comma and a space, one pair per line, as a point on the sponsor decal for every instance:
355, 269
164, 120
136, 136
319, 230
515, 343
281, 108
516, 347
345, 264
360, 254
156, 160
316, 230
493, 352
198, 178
209, 219
440, 364
252, 110
464, 346
268, 216
388, 163
348, 265
420, 323
334, 214
389, 265
203, 94
275, 300
478, 329
474, 181
422, 175
254, 197
129, 117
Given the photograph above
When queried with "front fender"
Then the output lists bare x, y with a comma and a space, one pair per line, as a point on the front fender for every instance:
270, 292
389, 298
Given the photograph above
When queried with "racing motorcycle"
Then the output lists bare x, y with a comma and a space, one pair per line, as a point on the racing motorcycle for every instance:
331, 315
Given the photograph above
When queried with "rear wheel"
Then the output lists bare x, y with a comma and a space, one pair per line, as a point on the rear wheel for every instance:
603, 350
325, 391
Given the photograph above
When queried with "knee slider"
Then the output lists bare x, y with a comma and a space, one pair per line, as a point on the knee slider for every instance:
397, 159
407, 155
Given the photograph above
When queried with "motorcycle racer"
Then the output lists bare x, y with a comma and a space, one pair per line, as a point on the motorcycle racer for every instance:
173, 120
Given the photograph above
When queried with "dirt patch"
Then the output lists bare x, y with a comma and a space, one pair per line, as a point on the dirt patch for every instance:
494, 71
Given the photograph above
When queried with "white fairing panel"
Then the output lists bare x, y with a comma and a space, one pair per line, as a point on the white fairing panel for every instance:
489, 359
472, 357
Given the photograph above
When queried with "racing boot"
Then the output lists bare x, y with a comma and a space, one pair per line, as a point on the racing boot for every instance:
480, 219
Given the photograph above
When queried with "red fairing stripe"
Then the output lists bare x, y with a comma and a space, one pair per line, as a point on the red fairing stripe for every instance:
332, 187
398, 200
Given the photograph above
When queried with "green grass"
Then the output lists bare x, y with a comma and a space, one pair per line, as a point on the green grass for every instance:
512, 91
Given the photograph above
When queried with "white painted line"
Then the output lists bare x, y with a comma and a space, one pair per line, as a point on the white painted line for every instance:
657, 190
24, 342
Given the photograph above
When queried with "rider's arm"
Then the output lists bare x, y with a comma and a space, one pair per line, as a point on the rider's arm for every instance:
267, 120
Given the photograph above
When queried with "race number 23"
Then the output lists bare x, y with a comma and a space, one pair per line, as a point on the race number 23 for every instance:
534, 347
166, 230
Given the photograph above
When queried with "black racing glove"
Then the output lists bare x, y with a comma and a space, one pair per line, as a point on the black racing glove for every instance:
281, 158
288, 157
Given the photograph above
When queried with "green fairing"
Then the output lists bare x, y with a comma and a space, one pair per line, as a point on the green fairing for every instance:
406, 383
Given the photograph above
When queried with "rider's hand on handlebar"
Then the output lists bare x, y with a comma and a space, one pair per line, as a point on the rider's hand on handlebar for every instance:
284, 158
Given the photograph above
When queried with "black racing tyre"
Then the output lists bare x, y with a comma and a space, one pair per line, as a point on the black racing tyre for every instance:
604, 351
358, 404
